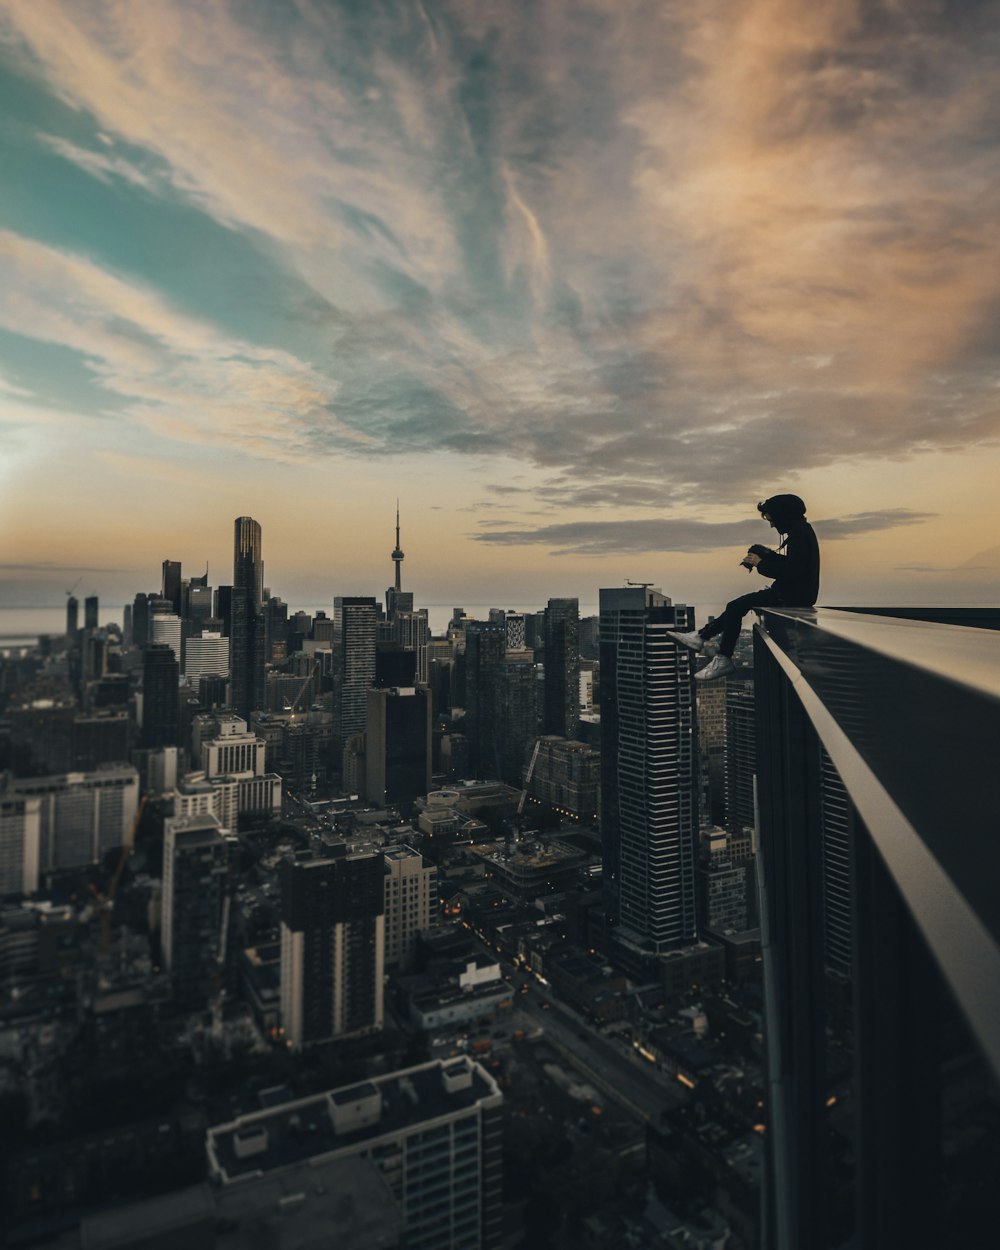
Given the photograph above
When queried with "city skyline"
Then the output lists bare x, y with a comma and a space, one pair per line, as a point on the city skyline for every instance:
580, 281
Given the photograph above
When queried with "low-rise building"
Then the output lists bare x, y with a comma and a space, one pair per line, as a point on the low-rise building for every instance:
533, 867
288, 1210
691, 967
454, 994
434, 1131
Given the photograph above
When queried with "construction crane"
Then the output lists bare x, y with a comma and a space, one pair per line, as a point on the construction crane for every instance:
106, 901
514, 825
306, 682
644, 585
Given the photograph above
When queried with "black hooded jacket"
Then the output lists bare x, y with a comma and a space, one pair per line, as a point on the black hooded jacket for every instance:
796, 572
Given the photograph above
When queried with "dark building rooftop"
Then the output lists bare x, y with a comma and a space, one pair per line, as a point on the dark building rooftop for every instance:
342, 1119
291, 1210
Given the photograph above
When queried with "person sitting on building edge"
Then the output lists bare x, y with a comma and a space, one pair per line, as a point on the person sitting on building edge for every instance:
795, 582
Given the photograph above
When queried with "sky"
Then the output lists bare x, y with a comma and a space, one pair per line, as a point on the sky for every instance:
578, 282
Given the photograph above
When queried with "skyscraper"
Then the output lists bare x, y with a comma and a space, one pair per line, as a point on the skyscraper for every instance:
224, 609
876, 790
712, 748
276, 614
90, 612
355, 633
519, 712
195, 886
247, 652
140, 620
513, 623
198, 609
165, 627
241, 608
562, 668
410, 902
171, 584
206, 655
411, 629
332, 945
649, 812
723, 885
160, 696
72, 616
741, 754
248, 567
398, 747
485, 674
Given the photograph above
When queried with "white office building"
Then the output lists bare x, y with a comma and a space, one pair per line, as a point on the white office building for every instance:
81, 815
232, 750
206, 655
165, 627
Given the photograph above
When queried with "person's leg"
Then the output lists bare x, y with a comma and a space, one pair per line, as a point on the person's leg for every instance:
715, 626
731, 620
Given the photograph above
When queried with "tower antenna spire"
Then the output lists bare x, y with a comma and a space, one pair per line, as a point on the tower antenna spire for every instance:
397, 554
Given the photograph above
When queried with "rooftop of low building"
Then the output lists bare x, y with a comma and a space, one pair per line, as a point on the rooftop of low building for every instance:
304, 1129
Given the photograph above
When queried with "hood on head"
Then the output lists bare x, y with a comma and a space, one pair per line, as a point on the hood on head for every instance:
784, 510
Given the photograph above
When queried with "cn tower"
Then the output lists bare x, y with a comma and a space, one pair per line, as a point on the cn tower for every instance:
397, 554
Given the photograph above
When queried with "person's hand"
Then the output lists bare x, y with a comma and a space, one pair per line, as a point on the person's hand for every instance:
750, 560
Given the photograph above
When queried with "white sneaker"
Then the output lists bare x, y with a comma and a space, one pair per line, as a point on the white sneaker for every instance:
692, 640
718, 666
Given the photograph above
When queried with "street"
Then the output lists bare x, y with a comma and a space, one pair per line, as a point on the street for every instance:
632, 1082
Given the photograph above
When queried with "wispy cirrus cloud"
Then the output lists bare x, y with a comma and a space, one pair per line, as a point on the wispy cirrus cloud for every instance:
99, 163
595, 538
646, 248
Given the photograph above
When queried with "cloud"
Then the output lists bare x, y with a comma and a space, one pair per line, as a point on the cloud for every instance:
100, 164
598, 538
249, 120
181, 376
869, 522
657, 251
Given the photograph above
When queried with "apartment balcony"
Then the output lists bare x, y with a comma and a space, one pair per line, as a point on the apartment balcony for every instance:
878, 786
